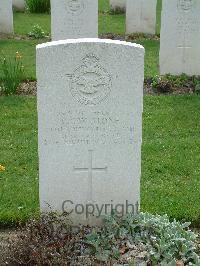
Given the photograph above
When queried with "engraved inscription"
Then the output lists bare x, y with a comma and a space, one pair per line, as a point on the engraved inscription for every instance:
138, 17
184, 46
75, 127
90, 83
75, 7
77, 25
90, 169
185, 5
187, 27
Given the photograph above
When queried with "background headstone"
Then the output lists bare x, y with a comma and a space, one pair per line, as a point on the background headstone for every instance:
19, 5
6, 16
90, 124
72, 19
118, 4
180, 37
141, 16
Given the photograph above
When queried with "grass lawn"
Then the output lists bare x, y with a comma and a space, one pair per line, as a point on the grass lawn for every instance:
18, 142
170, 157
24, 22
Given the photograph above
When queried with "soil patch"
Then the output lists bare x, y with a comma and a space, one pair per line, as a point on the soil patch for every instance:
6, 236
28, 88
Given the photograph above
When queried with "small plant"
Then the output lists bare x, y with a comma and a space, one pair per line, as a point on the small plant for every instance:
117, 11
145, 238
43, 241
197, 89
197, 85
170, 83
2, 168
11, 73
162, 242
37, 32
162, 84
38, 6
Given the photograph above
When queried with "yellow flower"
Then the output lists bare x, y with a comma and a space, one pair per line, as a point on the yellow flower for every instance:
2, 168
18, 55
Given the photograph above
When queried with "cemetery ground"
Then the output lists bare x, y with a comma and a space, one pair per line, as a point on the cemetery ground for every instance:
171, 144
170, 180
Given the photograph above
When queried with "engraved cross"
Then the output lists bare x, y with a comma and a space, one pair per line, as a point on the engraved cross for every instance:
90, 169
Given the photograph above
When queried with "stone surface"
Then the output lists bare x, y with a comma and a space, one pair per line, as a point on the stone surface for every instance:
141, 16
180, 37
115, 4
90, 100
72, 19
19, 5
6, 16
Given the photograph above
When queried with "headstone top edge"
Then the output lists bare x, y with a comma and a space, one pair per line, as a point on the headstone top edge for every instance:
88, 40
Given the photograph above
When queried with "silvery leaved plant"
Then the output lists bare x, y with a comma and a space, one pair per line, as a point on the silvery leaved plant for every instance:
163, 242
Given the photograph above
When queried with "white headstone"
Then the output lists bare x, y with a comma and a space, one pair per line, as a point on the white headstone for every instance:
6, 16
118, 4
180, 37
72, 19
141, 16
90, 101
19, 5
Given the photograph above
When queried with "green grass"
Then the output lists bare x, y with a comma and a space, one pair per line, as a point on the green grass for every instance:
114, 24
18, 142
151, 67
24, 22
158, 16
104, 6
170, 158
171, 155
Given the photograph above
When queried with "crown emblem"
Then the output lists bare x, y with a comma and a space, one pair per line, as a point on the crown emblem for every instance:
185, 5
75, 7
90, 82
90, 60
